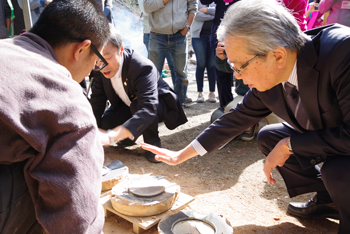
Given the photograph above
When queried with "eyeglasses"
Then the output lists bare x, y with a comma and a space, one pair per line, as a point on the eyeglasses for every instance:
99, 65
238, 70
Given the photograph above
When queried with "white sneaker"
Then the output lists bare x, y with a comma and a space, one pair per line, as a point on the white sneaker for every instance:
212, 97
200, 98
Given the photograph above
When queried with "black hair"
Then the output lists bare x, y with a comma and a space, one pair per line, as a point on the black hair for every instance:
63, 20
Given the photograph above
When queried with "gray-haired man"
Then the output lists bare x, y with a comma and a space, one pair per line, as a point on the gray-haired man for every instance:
305, 80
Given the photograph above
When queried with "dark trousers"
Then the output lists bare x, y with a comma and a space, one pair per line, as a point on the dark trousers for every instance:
17, 214
333, 177
224, 82
114, 117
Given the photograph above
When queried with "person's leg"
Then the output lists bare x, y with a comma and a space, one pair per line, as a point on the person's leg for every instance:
157, 49
146, 40
151, 134
114, 117
224, 83
17, 213
336, 177
178, 51
297, 180
210, 65
171, 67
199, 47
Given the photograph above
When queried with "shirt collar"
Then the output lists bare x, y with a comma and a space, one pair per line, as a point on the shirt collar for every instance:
293, 77
119, 72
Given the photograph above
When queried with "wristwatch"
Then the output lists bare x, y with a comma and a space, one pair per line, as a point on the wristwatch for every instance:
188, 27
111, 134
289, 146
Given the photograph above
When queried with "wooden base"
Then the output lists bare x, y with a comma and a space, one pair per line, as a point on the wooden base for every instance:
141, 224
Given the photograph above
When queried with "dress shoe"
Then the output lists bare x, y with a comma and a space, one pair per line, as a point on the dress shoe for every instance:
126, 142
311, 210
151, 156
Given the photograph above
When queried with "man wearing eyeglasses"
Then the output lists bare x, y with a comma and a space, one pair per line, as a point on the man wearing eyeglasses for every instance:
51, 156
138, 95
305, 80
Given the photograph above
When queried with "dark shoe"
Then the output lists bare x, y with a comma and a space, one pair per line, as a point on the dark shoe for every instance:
126, 142
217, 114
250, 133
311, 210
151, 156
188, 100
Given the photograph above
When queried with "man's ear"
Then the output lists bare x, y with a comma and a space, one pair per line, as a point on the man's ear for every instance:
280, 55
80, 48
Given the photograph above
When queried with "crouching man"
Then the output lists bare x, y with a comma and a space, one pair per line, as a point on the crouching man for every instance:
138, 95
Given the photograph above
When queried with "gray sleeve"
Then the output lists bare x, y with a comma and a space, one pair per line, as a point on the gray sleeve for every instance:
152, 5
200, 16
211, 9
192, 6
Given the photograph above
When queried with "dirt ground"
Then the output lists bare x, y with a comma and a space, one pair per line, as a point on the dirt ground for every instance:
229, 182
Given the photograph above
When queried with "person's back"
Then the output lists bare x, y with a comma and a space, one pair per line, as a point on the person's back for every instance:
50, 159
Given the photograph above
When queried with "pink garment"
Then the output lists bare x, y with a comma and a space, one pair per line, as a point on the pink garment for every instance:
314, 20
298, 8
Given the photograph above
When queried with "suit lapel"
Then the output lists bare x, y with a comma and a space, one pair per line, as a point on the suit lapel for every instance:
308, 83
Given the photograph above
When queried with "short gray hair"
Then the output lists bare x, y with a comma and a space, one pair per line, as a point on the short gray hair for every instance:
265, 25
115, 38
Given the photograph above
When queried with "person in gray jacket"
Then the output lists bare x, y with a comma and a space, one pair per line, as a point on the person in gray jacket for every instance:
170, 21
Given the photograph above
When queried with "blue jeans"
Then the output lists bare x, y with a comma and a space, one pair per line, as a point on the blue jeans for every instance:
176, 44
205, 59
168, 57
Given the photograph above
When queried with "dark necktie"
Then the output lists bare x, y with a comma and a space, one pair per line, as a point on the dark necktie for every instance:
296, 106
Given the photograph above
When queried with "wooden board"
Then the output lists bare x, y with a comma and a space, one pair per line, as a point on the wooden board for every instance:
141, 224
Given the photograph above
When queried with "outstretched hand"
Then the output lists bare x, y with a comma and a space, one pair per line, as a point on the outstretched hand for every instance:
171, 157
164, 155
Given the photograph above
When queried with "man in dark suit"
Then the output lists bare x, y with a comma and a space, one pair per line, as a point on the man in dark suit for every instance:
138, 95
305, 80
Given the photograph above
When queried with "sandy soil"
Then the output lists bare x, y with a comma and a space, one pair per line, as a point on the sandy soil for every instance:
228, 182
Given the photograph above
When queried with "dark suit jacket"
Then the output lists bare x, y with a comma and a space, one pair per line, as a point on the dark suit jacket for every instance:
146, 90
323, 68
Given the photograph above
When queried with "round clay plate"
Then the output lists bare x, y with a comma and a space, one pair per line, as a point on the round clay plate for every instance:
193, 226
150, 191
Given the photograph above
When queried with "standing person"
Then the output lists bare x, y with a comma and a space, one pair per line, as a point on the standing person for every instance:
18, 21
36, 7
339, 11
200, 33
5, 19
139, 97
146, 35
305, 80
224, 80
170, 21
51, 157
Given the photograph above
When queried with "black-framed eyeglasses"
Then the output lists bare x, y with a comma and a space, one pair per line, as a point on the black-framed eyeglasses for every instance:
100, 64
238, 70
